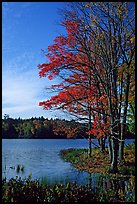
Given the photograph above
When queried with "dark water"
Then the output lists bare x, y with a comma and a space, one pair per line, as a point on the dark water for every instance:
22, 157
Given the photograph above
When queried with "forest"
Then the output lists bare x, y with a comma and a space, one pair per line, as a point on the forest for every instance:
44, 128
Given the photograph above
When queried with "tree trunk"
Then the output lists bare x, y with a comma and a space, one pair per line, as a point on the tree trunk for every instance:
89, 145
89, 139
121, 151
101, 142
114, 163
103, 139
110, 149
123, 125
121, 143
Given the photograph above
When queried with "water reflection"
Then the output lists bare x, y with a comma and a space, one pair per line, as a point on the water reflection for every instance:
117, 188
107, 187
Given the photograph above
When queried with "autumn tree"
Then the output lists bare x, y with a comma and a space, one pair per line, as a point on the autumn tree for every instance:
95, 64
69, 59
113, 26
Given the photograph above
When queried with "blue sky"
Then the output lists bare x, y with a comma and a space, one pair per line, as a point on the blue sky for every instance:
27, 27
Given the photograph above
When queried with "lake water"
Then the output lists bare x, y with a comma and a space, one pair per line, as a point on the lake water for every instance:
41, 158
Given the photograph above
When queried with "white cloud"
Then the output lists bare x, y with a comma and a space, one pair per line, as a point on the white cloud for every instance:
22, 89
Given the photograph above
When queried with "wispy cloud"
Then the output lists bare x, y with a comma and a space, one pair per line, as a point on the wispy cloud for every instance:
22, 89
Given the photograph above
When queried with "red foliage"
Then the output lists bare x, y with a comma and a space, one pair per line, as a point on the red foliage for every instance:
78, 91
99, 127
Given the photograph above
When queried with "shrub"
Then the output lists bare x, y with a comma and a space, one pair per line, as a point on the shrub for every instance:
17, 190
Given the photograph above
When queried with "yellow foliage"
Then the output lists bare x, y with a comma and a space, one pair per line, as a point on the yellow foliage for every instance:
132, 180
133, 38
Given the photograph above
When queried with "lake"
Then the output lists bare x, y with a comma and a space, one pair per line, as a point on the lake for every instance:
40, 157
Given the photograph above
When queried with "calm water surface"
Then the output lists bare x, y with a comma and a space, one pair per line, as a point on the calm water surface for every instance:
41, 158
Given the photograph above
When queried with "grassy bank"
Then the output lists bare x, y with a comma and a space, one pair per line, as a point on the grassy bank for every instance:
99, 162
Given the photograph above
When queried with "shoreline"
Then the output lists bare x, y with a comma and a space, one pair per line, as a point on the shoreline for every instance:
99, 162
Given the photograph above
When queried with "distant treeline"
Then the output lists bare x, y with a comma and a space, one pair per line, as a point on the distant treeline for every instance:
43, 128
